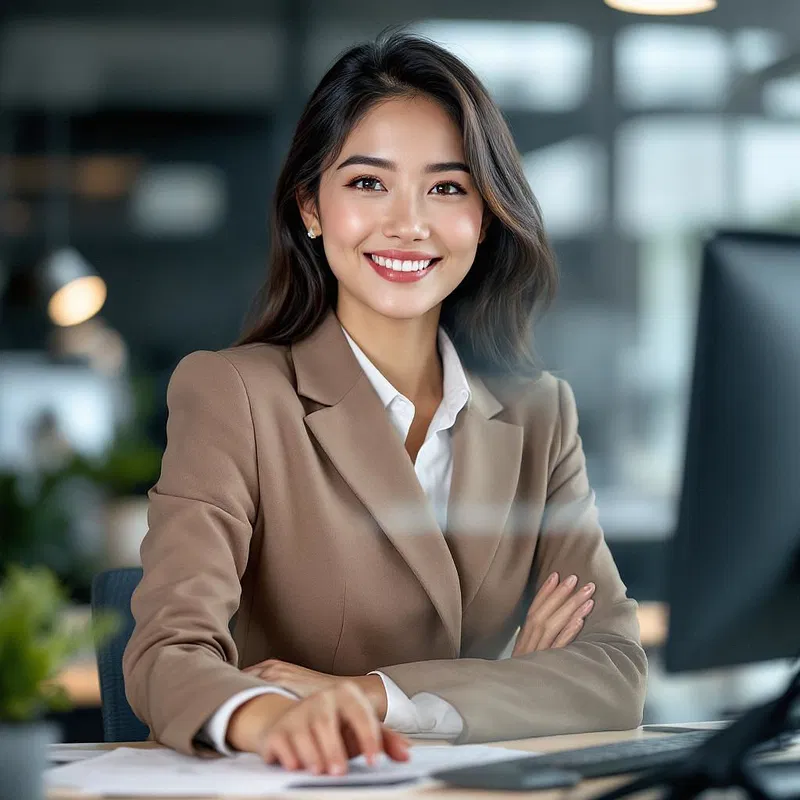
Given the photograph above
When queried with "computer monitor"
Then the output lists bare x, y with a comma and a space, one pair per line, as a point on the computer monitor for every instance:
734, 577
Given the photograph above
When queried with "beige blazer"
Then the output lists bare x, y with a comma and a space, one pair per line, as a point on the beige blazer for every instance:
287, 498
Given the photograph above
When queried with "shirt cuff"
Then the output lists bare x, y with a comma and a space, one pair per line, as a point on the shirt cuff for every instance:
425, 714
215, 730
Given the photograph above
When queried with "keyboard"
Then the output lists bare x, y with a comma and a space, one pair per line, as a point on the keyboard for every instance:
619, 758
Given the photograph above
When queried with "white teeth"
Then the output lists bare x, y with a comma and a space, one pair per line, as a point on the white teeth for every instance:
401, 266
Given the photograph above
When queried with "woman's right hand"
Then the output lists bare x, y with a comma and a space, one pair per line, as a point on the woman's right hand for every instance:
318, 733
555, 616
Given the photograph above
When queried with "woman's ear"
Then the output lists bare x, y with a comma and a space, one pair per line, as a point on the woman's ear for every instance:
487, 218
308, 210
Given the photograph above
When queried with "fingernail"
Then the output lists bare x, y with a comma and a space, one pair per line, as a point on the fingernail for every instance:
572, 581
337, 769
589, 587
587, 605
552, 577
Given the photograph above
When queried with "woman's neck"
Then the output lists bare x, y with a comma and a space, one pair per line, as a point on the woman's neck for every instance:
404, 350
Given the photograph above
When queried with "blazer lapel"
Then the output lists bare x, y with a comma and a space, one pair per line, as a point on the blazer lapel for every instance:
487, 454
354, 430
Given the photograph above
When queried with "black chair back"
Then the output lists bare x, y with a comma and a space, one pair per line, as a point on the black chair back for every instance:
112, 589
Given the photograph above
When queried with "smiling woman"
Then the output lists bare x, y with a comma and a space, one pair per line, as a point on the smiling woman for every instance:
355, 482
400, 144
404, 199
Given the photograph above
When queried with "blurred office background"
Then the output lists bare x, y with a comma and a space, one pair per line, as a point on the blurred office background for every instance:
139, 145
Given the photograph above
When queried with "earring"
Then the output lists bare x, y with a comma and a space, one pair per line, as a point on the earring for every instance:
311, 234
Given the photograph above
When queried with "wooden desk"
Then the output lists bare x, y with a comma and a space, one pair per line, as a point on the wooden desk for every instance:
547, 745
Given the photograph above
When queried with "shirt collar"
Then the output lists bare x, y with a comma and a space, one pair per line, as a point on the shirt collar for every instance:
456, 392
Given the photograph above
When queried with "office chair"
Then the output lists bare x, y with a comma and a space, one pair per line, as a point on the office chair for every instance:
112, 589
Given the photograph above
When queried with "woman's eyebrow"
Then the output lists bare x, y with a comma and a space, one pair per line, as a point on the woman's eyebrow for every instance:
383, 163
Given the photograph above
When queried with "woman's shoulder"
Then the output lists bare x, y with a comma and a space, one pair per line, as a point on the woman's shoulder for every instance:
257, 366
539, 400
259, 360
536, 394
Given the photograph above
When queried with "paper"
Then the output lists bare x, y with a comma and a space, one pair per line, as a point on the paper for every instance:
67, 753
140, 772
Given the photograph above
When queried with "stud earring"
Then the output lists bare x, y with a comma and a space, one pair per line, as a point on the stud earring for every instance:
311, 234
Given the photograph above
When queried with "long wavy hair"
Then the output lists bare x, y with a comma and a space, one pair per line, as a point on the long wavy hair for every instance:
490, 314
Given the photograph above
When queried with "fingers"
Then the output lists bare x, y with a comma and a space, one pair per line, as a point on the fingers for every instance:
528, 637
261, 667
351, 743
569, 634
328, 736
278, 750
576, 607
357, 712
549, 597
306, 747
322, 732
395, 745
555, 599
547, 588
555, 607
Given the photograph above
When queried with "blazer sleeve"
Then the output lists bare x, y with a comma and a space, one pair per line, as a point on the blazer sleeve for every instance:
596, 683
180, 664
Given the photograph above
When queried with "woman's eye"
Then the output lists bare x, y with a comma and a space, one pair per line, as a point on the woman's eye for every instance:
369, 184
451, 185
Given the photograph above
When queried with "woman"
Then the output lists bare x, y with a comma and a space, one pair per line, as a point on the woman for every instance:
366, 497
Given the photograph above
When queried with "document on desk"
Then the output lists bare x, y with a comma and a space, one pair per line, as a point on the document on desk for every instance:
61, 753
140, 772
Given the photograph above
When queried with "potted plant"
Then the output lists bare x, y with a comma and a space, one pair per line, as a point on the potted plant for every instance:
36, 640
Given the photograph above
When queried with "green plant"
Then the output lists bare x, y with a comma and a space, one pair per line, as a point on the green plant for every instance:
130, 466
36, 641
36, 527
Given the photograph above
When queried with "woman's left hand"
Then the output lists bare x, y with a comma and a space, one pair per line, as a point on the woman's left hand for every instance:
304, 682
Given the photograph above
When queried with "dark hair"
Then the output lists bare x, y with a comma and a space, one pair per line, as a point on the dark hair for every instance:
489, 315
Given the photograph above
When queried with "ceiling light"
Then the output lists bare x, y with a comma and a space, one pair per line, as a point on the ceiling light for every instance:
76, 292
663, 6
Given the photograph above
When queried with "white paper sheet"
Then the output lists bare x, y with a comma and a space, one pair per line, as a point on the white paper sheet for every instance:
140, 772
66, 753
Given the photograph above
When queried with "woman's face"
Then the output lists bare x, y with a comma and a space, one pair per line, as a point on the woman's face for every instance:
399, 215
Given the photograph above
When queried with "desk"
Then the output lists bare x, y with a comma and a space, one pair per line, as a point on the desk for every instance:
546, 744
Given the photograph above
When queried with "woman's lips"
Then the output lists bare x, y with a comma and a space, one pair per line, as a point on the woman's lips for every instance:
396, 276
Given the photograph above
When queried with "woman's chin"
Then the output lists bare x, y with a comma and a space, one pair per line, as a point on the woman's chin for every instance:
402, 310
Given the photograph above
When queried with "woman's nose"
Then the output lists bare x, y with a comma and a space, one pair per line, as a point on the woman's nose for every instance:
406, 219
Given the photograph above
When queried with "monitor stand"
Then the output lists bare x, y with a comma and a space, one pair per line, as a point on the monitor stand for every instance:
724, 760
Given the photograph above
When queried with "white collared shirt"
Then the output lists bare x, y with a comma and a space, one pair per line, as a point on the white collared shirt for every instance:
425, 713
434, 462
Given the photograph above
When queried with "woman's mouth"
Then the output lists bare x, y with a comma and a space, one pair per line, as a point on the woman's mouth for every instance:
392, 269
